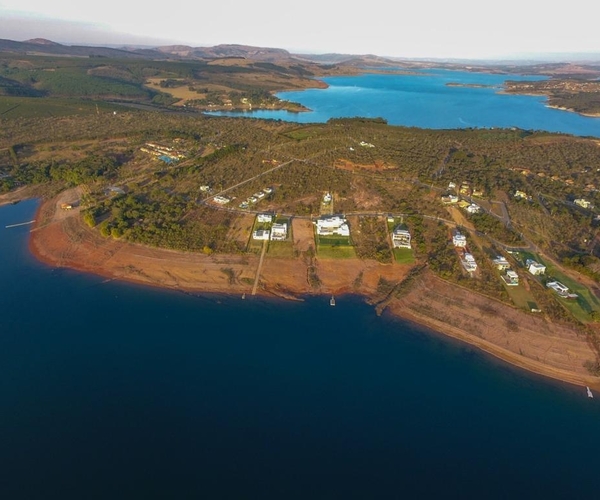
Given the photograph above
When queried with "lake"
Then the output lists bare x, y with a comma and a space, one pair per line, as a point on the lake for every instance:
114, 390
427, 100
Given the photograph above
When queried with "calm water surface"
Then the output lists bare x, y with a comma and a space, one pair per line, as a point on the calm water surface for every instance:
426, 100
111, 390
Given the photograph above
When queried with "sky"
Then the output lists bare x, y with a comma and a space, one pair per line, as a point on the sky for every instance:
465, 29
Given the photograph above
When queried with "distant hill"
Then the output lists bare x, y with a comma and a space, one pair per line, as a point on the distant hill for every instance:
43, 46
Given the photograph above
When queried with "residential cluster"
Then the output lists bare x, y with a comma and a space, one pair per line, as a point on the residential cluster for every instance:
510, 277
278, 231
164, 153
256, 197
465, 189
467, 260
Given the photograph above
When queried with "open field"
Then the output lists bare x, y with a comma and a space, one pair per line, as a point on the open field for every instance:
37, 107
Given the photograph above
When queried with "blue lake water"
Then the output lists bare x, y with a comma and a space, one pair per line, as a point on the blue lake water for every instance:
112, 390
425, 100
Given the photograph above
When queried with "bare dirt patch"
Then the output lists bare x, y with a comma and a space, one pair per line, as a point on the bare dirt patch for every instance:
303, 234
241, 229
524, 339
376, 166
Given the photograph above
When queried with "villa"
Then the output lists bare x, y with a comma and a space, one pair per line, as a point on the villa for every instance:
468, 262
261, 234
401, 237
264, 218
511, 278
534, 267
278, 232
221, 200
330, 225
459, 240
561, 290
501, 263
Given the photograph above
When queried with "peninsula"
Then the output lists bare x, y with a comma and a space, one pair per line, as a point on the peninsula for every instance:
489, 236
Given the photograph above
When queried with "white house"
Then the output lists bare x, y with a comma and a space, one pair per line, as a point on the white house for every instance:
511, 278
459, 240
221, 200
534, 267
468, 262
450, 198
334, 224
264, 218
278, 232
401, 237
473, 208
501, 263
261, 234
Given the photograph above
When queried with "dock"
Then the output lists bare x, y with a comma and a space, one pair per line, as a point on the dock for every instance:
20, 224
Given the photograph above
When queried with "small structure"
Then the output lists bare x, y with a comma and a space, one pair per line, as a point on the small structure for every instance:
473, 208
327, 198
114, 191
501, 263
221, 200
522, 195
468, 262
459, 240
268, 190
534, 267
583, 203
561, 290
449, 198
66, 206
264, 218
261, 234
401, 237
511, 278
278, 232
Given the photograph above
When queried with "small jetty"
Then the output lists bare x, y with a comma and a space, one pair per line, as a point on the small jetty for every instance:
20, 224
332, 301
589, 392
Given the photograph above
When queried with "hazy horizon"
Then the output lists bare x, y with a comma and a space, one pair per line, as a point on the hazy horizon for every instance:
463, 30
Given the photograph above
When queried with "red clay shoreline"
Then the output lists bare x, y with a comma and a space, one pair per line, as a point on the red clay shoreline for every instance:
62, 240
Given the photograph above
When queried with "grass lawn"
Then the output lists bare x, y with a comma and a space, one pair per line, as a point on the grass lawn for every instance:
336, 252
586, 301
521, 298
404, 256
281, 249
334, 247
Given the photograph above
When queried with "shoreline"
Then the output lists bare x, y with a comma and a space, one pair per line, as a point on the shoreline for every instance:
66, 242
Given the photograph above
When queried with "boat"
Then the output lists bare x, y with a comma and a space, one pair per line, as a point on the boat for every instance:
589, 392
332, 301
